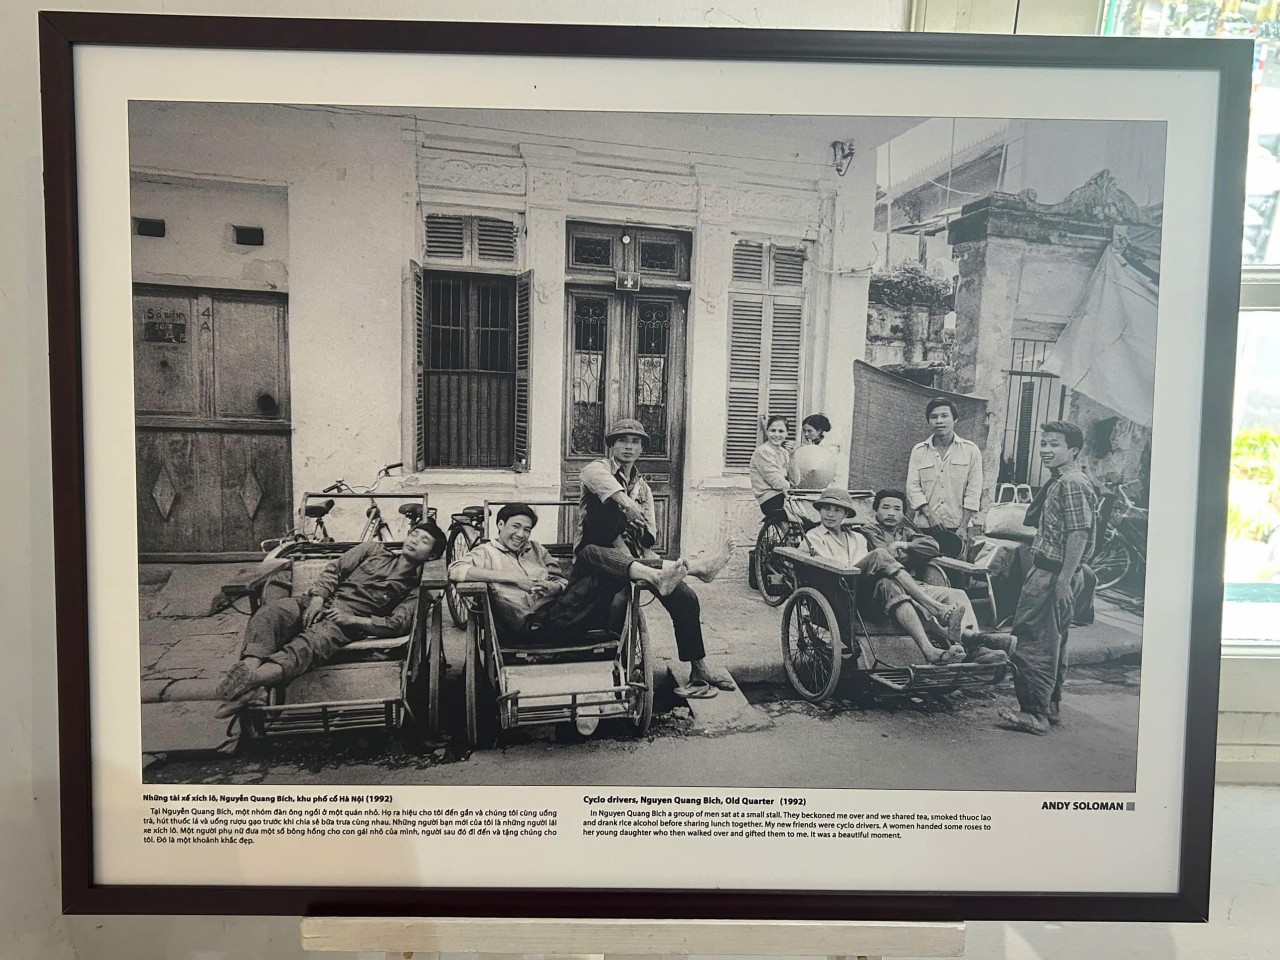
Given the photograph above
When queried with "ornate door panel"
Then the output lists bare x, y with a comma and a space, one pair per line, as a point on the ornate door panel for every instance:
625, 358
212, 415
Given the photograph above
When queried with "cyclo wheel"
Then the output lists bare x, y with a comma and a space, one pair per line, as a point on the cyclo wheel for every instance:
639, 664
459, 611
770, 580
435, 667
1111, 562
811, 644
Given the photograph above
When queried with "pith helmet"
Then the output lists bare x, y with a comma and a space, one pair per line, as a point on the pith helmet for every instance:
624, 426
836, 497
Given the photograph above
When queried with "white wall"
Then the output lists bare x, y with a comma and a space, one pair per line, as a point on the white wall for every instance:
31, 927
351, 225
198, 248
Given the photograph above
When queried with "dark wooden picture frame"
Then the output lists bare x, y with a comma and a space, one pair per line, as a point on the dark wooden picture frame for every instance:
61, 33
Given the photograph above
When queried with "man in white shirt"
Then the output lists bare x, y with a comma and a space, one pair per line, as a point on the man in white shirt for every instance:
944, 479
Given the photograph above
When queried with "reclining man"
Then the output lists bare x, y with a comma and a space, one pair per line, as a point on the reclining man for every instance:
890, 530
529, 592
369, 591
919, 609
617, 530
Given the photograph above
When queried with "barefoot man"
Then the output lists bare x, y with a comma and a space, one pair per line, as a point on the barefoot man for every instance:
1063, 513
617, 531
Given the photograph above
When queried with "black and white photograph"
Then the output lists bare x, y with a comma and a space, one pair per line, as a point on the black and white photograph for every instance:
546, 447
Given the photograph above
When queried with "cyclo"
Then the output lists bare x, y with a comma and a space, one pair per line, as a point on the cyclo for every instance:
386, 683
825, 633
606, 673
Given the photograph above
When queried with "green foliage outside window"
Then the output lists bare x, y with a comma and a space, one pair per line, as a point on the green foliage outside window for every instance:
1254, 503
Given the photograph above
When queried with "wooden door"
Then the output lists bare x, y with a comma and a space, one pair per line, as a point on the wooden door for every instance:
211, 391
625, 358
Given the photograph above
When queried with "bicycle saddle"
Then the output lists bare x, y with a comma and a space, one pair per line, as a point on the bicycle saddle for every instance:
317, 510
411, 510
473, 513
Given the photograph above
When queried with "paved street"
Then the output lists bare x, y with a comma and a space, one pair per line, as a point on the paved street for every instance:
849, 741
927, 743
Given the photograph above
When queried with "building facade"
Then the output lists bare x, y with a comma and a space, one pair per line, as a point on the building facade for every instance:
478, 294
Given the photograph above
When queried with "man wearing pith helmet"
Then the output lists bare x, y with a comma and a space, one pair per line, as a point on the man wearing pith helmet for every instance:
617, 516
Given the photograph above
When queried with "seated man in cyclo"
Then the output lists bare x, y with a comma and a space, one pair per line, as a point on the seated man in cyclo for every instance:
532, 598
617, 531
890, 530
921, 610
369, 591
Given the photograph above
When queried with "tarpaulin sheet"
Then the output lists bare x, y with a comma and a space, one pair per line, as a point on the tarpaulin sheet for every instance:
888, 420
1107, 351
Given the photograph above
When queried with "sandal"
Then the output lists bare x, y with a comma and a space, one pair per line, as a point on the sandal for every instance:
696, 690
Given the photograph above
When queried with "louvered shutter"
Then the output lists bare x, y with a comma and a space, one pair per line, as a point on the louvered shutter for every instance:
495, 240
446, 237
524, 329
746, 337
788, 267
419, 366
748, 262
783, 395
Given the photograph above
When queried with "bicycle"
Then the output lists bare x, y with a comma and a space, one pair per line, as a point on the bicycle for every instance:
465, 530
1122, 537
316, 511
784, 528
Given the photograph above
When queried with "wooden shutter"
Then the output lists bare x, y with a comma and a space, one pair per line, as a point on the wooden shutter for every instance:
783, 396
748, 262
788, 267
446, 237
524, 326
746, 338
495, 240
419, 366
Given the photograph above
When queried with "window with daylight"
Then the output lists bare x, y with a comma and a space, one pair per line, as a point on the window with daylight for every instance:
766, 331
472, 346
1252, 589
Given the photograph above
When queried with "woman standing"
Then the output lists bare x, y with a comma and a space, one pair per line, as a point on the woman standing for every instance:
771, 466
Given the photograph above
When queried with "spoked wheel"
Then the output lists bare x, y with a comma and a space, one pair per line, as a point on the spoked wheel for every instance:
460, 541
771, 577
435, 667
1111, 562
811, 644
639, 662
481, 708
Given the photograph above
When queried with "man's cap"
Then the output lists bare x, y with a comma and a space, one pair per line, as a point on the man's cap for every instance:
836, 497
624, 426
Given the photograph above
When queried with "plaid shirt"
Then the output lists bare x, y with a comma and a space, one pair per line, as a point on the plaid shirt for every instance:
1070, 504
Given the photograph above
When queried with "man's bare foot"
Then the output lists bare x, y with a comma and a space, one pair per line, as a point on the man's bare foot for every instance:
707, 568
698, 670
1023, 722
671, 576
240, 679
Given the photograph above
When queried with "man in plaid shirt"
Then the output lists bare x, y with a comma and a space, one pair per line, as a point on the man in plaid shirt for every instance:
1063, 512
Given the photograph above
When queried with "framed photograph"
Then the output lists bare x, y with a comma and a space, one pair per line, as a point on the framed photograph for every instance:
530, 471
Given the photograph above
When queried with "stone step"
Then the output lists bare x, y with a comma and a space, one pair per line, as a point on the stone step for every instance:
727, 712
